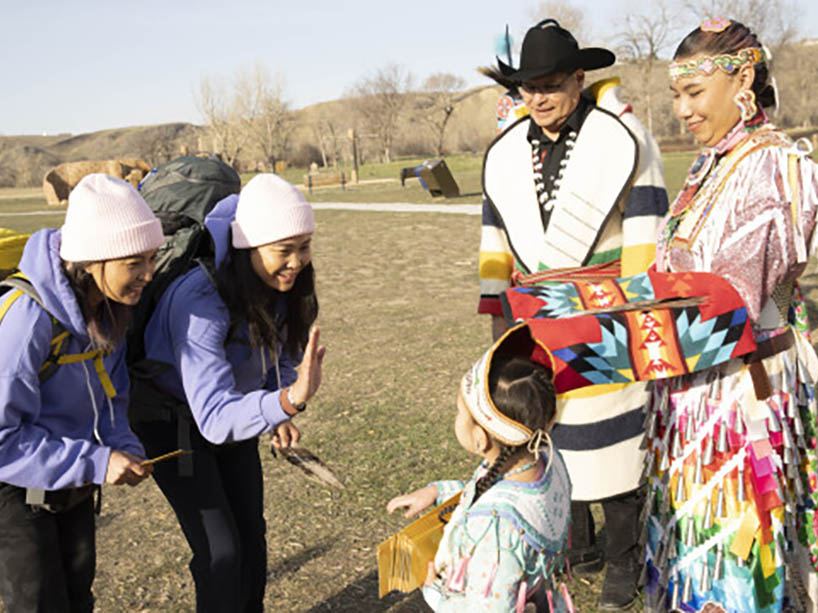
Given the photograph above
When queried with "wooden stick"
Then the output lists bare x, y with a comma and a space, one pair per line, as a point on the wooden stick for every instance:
165, 456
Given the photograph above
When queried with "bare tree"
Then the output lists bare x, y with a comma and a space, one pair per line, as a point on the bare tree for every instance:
569, 17
381, 101
327, 131
775, 22
436, 103
265, 113
223, 124
642, 37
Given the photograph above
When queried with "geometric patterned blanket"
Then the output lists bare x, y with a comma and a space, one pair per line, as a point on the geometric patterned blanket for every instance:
650, 326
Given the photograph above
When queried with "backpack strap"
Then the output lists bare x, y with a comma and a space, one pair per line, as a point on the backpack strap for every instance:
21, 285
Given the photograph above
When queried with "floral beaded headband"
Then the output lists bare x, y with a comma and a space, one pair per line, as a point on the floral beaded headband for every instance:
707, 65
475, 389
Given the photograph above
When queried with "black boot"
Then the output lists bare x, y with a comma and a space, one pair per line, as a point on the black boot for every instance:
619, 589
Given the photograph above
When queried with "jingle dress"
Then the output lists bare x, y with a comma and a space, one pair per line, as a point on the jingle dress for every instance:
730, 515
507, 547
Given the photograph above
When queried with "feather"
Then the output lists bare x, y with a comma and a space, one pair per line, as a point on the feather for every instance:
494, 73
313, 467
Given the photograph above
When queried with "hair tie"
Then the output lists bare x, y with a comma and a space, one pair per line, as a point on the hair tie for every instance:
536, 441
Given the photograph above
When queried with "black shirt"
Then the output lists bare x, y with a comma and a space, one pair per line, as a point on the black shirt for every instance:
548, 155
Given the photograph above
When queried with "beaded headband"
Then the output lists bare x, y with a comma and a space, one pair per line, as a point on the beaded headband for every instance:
475, 389
707, 65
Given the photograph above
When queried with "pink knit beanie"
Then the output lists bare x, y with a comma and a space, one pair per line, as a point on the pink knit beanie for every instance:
269, 210
107, 219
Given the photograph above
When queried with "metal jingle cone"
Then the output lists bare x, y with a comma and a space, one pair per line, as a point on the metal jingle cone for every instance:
799, 488
689, 427
663, 401
661, 557
666, 436
647, 470
687, 592
786, 435
740, 562
704, 584
792, 470
643, 576
722, 444
665, 508
675, 593
680, 488
738, 424
718, 572
697, 475
707, 459
798, 425
801, 442
677, 444
664, 460
708, 513
672, 550
690, 534
741, 495
720, 502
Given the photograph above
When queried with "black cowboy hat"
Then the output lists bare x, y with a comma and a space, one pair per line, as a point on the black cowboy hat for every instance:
549, 48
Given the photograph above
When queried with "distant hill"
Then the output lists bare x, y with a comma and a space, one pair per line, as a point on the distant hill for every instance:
25, 159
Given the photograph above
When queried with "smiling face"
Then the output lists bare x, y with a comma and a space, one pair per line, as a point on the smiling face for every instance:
123, 279
705, 102
278, 264
552, 98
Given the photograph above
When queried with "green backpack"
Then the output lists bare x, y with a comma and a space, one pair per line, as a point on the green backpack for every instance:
181, 193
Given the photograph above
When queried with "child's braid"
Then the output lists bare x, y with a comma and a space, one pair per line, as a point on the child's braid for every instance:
495, 470
493, 475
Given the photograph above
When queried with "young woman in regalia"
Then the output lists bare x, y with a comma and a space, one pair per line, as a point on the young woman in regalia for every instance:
731, 510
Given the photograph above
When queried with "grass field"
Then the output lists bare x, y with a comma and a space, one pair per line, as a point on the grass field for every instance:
398, 294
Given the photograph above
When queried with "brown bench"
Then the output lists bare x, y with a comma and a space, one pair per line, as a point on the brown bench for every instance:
325, 179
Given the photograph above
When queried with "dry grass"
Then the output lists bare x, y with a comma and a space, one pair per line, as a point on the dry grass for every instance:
398, 294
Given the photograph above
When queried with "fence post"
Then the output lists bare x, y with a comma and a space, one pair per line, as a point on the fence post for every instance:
343, 181
309, 183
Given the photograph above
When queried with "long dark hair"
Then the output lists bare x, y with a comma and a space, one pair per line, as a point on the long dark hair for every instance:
107, 322
730, 41
249, 299
521, 390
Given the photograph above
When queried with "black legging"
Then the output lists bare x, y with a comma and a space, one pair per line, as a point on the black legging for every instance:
47, 560
220, 510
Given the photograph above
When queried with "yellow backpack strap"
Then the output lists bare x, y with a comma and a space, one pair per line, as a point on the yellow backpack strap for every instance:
21, 285
99, 367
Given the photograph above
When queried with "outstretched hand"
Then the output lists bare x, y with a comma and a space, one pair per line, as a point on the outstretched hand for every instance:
309, 373
414, 503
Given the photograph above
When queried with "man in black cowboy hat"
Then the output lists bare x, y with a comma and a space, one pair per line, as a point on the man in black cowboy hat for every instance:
575, 183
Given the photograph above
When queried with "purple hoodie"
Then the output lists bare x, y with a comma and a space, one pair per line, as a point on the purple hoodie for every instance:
60, 433
231, 389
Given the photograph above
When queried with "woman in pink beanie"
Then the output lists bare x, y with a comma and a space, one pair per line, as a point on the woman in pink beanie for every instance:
230, 340
63, 424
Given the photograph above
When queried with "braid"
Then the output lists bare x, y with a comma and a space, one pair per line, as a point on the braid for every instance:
495, 470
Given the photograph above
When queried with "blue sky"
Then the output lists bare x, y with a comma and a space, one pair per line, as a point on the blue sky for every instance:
83, 65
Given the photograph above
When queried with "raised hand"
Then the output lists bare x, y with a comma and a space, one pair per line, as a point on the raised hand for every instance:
309, 373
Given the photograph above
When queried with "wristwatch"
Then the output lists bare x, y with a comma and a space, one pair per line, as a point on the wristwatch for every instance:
298, 407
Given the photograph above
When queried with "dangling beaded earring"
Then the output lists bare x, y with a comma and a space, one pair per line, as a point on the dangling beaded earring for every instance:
746, 102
